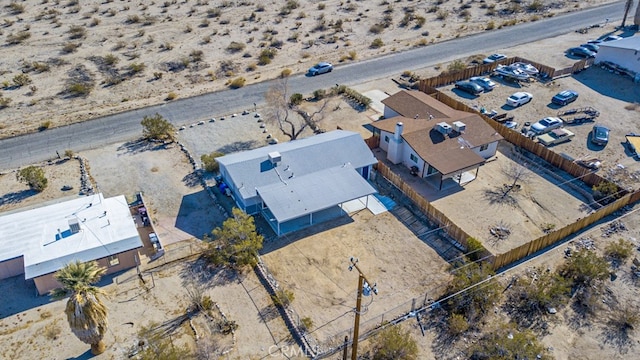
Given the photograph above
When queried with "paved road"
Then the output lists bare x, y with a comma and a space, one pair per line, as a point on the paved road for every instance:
28, 149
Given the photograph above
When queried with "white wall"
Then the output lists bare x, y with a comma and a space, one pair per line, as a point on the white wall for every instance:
626, 58
489, 152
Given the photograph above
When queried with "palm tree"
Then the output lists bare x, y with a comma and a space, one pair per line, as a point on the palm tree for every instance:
86, 313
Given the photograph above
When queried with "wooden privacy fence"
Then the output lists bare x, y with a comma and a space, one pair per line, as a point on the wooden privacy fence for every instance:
544, 241
484, 69
435, 215
576, 67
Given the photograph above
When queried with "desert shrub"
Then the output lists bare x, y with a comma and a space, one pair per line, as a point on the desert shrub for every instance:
44, 125
4, 102
15, 8
111, 59
457, 65
457, 324
77, 32
619, 251
209, 162
283, 297
21, 80
586, 271
70, 47
442, 14
376, 43
157, 75
156, 127
475, 304
285, 73
68, 153
94, 22
237, 83
167, 46
252, 67
18, 38
306, 323
605, 192
535, 5
133, 19
136, 68
296, 99
196, 55
34, 177
475, 249
214, 12
235, 47
490, 25
172, 96
376, 28
508, 342
78, 89
420, 21
319, 94
266, 56
321, 6
394, 343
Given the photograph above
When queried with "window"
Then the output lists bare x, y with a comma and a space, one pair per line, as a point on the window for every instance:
386, 138
113, 260
484, 147
413, 158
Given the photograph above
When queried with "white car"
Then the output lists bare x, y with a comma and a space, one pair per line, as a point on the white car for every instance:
547, 124
519, 98
486, 83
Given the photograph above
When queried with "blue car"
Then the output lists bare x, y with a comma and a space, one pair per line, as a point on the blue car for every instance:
564, 97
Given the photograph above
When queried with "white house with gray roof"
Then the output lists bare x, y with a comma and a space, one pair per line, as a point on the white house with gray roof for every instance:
38, 242
301, 182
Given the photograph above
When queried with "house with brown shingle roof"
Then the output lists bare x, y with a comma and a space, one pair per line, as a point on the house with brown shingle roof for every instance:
433, 139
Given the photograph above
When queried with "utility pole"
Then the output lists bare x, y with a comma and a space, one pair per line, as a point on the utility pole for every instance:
363, 289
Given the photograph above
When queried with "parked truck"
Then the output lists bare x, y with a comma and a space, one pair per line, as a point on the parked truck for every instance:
555, 137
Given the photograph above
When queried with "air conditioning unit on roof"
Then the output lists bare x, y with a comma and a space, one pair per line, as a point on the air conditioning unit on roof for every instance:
443, 128
275, 157
459, 126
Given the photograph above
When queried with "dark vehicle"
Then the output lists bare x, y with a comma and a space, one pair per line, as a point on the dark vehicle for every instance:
581, 52
469, 87
591, 47
564, 97
320, 68
600, 135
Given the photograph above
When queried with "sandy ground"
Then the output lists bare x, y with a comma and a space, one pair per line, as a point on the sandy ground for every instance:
129, 55
166, 180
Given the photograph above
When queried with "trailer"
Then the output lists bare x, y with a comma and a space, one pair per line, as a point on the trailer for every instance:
633, 141
579, 115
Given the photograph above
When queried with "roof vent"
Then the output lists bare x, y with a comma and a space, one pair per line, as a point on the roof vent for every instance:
459, 126
275, 157
74, 225
443, 128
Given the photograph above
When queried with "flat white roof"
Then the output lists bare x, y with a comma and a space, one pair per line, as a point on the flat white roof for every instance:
44, 237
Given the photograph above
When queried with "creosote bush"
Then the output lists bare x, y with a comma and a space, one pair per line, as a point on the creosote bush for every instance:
237, 83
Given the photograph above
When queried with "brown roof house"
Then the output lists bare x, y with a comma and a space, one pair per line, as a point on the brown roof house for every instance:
433, 139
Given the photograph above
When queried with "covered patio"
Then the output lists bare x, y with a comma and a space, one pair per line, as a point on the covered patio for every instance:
298, 202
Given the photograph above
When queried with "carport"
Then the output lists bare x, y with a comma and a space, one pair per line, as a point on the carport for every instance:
298, 202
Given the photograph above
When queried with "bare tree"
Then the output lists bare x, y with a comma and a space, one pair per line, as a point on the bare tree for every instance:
517, 174
627, 7
289, 117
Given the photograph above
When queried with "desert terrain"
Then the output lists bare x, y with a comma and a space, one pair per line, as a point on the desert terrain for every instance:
312, 264
77, 60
